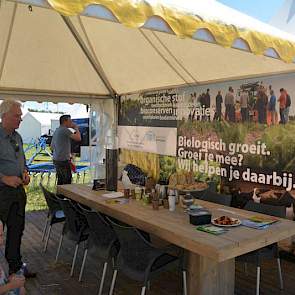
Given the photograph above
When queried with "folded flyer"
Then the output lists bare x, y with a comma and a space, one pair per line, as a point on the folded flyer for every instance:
259, 222
211, 229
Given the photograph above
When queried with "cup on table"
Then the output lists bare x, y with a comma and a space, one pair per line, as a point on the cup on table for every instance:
96, 184
166, 203
155, 204
138, 193
126, 193
146, 199
132, 193
172, 202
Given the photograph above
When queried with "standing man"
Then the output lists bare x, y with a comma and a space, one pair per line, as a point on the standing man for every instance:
288, 105
272, 107
229, 102
61, 146
261, 105
244, 102
282, 101
219, 101
13, 176
207, 102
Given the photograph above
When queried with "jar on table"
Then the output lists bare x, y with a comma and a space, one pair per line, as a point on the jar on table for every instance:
138, 192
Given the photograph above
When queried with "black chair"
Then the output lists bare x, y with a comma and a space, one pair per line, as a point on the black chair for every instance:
140, 260
75, 228
55, 214
210, 189
240, 199
102, 239
267, 253
217, 198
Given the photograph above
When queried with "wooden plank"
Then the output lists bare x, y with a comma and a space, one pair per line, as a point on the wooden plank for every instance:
209, 277
54, 279
167, 225
175, 228
249, 239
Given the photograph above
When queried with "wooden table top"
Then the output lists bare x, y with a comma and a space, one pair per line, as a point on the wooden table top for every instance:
175, 228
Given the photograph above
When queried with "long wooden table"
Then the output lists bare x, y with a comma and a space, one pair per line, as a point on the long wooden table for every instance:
211, 263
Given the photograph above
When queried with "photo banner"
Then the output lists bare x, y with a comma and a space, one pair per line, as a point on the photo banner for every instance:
157, 109
239, 133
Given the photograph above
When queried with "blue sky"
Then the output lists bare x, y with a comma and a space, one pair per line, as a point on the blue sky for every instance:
260, 9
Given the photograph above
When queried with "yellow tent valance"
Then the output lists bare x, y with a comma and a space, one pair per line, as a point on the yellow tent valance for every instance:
135, 14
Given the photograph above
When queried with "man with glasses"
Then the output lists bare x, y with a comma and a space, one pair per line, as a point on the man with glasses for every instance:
13, 176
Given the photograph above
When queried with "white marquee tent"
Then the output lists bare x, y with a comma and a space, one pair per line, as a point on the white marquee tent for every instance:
35, 124
85, 53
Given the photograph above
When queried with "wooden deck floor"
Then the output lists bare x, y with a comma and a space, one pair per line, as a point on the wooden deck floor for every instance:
54, 279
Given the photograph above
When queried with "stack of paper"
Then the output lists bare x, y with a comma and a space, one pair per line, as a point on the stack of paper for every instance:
211, 229
113, 195
259, 222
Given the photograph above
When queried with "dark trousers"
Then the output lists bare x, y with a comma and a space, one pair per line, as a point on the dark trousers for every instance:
12, 214
282, 116
262, 116
227, 112
245, 114
232, 113
217, 115
63, 172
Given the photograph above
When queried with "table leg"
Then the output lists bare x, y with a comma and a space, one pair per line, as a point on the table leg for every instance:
209, 277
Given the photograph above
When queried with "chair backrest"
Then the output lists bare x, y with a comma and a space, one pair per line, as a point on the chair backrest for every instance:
212, 186
135, 251
76, 222
102, 235
217, 198
51, 200
278, 211
240, 199
201, 194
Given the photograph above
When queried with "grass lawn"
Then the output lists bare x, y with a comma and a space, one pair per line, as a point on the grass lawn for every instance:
35, 198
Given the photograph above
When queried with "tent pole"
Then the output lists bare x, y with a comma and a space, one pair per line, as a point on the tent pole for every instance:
95, 64
111, 162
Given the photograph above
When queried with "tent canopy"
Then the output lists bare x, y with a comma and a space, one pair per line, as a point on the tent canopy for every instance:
124, 46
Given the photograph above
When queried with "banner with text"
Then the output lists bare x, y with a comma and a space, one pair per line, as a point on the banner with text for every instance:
238, 134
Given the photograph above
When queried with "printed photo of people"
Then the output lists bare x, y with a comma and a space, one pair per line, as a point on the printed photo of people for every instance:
251, 102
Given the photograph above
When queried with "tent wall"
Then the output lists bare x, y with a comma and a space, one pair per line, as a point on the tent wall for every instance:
54, 97
153, 60
42, 52
38, 53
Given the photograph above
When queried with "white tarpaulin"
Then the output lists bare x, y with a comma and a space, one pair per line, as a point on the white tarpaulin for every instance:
54, 57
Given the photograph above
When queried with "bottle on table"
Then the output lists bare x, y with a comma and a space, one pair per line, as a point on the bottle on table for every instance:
172, 201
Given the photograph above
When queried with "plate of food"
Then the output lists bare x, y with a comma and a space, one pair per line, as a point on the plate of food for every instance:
225, 221
185, 182
195, 187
